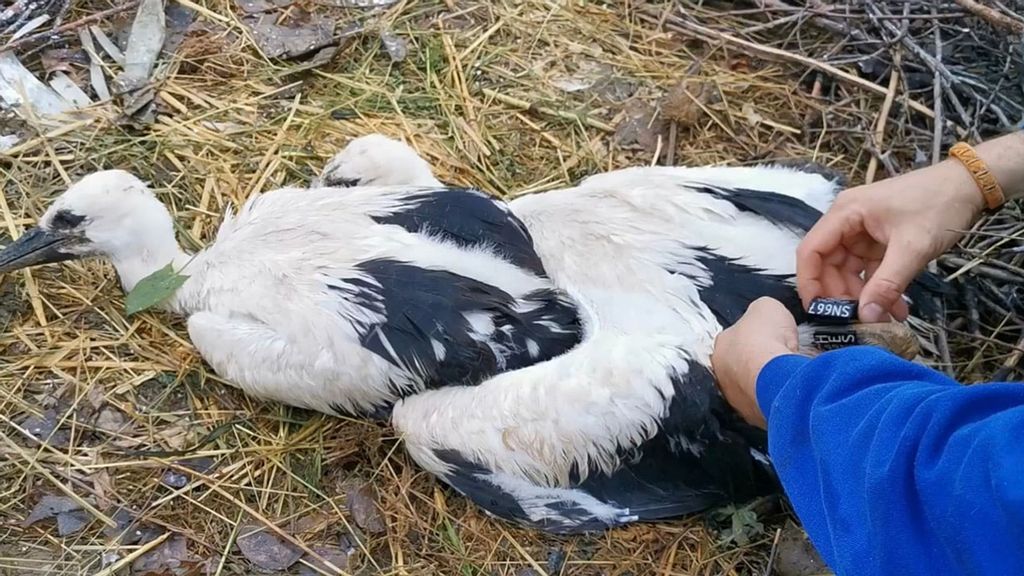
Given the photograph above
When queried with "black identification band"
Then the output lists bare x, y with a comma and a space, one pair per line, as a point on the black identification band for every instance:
833, 311
834, 337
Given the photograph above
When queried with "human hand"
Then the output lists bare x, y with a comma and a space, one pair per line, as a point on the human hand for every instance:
765, 331
888, 231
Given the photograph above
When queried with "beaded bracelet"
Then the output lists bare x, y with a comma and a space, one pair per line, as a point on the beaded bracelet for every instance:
990, 189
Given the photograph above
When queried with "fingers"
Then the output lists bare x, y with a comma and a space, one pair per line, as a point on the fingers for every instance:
883, 292
822, 253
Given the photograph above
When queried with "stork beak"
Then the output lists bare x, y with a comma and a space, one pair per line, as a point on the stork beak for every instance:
36, 246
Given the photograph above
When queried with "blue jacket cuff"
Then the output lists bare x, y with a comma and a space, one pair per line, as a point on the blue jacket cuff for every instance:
774, 376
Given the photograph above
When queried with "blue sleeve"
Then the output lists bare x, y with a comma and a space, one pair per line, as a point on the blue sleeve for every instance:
893, 468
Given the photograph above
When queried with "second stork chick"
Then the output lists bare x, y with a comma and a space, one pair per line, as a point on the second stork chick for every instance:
629, 425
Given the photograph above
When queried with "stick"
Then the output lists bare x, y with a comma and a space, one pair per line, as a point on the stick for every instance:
946, 76
71, 25
681, 25
883, 117
994, 17
943, 335
821, 20
937, 96
524, 105
1011, 363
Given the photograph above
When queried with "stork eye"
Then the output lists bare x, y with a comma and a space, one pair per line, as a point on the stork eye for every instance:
347, 182
66, 220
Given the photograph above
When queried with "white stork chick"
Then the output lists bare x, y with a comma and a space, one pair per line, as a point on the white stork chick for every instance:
366, 161
629, 425
340, 301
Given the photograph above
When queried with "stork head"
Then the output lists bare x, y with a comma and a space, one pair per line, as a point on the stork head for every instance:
110, 213
376, 160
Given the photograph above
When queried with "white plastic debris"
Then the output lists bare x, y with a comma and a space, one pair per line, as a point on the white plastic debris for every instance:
147, 38
62, 84
9, 141
20, 88
96, 77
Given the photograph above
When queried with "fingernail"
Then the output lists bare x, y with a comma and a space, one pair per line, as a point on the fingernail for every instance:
872, 313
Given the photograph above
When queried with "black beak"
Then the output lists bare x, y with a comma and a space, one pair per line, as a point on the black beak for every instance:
36, 246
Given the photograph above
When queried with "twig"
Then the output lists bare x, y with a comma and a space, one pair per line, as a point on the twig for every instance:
983, 269
821, 20
994, 17
682, 25
1011, 362
131, 557
71, 25
937, 96
883, 117
524, 105
774, 552
942, 338
944, 74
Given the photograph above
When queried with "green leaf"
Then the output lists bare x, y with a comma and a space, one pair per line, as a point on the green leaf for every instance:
153, 289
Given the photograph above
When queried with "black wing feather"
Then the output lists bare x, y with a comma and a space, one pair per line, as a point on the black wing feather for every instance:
468, 218
425, 307
798, 216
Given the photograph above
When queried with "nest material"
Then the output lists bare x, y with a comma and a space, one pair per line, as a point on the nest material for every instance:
121, 416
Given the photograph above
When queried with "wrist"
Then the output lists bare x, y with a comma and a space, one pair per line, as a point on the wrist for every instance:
959, 189
1005, 159
983, 176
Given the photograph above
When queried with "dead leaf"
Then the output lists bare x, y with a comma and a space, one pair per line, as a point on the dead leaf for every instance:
95, 397
362, 505
103, 487
796, 556
179, 21
123, 532
70, 522
310, 523
752, 116
641, 128
171, 555
395, 46
682, 103
265, 549
333, 555
111, 420
48, 507
289, 42
580, 76
176, 436
44, 428
108, 45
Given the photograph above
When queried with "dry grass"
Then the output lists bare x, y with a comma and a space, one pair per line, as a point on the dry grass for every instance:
478, 95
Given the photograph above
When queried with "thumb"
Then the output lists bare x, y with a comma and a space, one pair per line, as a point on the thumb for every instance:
883, 292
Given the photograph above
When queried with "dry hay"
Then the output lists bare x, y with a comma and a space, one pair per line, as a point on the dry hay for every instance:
507, 96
